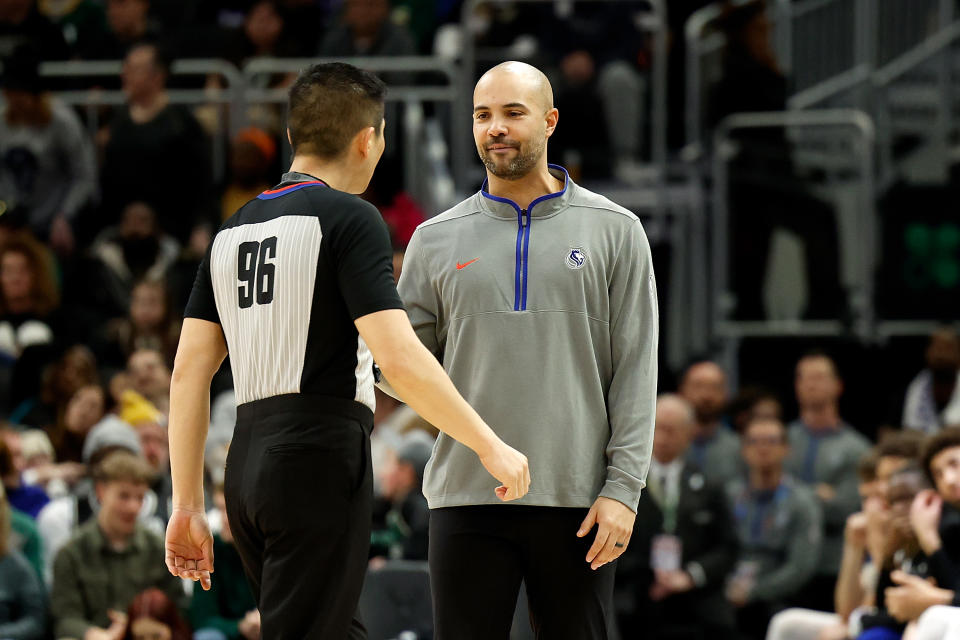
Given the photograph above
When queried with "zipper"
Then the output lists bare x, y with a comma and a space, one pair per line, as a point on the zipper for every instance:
523, 247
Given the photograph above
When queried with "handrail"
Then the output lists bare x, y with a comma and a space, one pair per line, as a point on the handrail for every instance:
371, 63
916, 56
862, 299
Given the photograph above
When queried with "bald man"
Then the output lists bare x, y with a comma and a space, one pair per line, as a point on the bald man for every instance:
539, 298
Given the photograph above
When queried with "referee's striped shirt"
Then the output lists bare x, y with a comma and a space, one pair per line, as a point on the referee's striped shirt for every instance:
285, 277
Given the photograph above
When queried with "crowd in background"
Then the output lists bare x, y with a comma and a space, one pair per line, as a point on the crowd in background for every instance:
748, 516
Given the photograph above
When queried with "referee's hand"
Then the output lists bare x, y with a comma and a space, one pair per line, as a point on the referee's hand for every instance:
511, 468
189, 546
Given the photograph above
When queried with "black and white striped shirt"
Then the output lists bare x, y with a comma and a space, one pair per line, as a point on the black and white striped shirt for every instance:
285, 277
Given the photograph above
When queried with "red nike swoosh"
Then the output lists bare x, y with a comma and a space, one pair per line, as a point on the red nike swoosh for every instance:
466, 264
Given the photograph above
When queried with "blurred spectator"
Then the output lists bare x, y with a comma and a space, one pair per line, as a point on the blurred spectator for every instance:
780, 527
85, 409
399, 210
251, 157
715, 450
28, 297
824, 451
21, 496
583, 144
136, 249
262, 35
22, 607
81, 21
21, 23
113, 549
128, 22
670, 578
764, 192
420, 18
156, 451
47, 164
150, 377
227, 611
41, 467
754, 402
933, 397
151, 324
894, 548
60, 381
156, 152
365, 29
60, 518
154, 616
408, 520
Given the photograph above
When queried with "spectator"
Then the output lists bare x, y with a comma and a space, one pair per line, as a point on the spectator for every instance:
136, 249
58, 521
227, 611
23, 497
779, 524
408, 520
715, 450
933, 397
251, 158
824, 451
935, 518
153, 615
584, 148
47, 165
150, 377
754, 402
151, 324
41, 468
262, 35
365, 29
22, 610
128, 22
156, 451
670, 578
61, 380
894, 548
857, 581
112, 548
21, 23
28, 298
150, 133
85, 409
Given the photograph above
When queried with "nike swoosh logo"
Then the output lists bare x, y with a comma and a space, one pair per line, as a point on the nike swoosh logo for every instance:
466, 264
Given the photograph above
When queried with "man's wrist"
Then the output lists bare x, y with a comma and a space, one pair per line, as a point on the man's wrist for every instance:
930, 542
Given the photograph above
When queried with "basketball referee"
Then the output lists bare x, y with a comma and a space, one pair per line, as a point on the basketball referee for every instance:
298, 287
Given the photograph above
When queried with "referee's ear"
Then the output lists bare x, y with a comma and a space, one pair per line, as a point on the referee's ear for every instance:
365, 140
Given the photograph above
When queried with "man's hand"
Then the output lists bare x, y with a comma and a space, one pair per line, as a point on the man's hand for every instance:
511, 468
189, 546
615, 526
855, 533
825, 492
925, 520
913, 596
249, 627
116, 630
678, 581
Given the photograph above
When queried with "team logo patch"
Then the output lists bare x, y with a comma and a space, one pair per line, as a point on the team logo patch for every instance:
576, 258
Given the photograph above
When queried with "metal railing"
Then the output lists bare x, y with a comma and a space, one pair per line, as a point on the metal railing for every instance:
861, 127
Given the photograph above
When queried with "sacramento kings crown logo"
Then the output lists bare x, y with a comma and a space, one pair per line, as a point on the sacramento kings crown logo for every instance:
576, 258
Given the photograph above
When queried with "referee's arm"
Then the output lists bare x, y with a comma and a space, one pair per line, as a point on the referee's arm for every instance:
419, 380
202, 349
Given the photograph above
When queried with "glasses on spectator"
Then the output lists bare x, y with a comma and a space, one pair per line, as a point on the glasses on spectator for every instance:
767, 440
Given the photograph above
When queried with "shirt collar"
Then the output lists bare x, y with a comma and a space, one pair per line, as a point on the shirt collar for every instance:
137, 541
295, 176
542, 207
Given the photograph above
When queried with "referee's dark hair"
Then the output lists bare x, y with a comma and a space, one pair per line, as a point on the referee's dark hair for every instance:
329, 104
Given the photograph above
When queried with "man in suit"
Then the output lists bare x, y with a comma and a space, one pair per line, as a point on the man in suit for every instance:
670, 580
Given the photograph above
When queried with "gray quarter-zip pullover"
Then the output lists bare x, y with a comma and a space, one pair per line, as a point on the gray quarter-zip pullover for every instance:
546, 320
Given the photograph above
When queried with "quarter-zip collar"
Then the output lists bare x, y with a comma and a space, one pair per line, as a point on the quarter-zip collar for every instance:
542, 207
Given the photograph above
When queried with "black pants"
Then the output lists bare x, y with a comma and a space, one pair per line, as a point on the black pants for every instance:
299, 494
479, 555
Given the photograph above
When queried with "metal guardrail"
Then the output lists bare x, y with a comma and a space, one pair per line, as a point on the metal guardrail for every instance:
861, 301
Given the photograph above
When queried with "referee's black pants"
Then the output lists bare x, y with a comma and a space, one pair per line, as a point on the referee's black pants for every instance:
480, 554
298, 489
